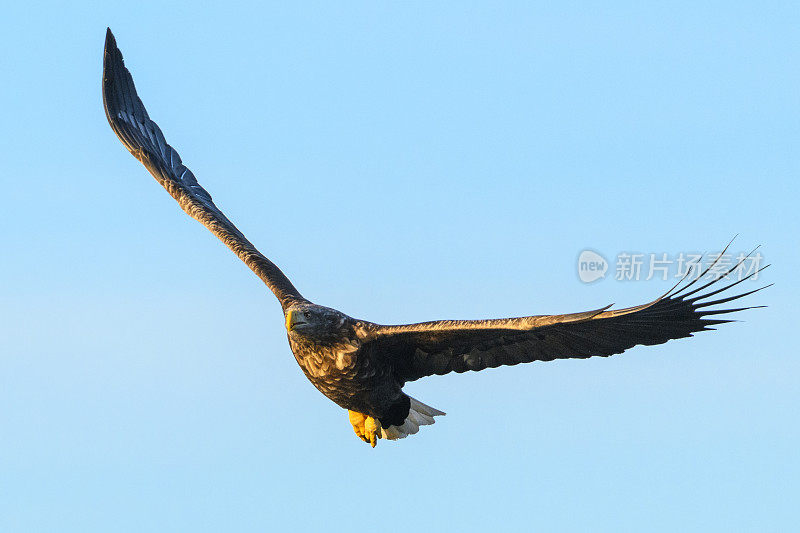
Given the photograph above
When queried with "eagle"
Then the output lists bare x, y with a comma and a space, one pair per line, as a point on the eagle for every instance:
362, 366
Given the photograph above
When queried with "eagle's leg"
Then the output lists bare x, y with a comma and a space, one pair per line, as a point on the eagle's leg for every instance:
367, 428
357, 420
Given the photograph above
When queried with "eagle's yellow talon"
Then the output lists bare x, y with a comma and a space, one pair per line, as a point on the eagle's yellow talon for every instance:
367, 428
372, 428
357, 421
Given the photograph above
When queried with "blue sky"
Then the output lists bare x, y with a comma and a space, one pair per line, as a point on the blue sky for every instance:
400, 162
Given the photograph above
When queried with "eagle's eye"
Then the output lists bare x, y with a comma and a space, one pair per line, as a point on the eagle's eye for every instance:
307, 314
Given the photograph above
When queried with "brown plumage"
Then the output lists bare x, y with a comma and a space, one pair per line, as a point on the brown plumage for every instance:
363, 366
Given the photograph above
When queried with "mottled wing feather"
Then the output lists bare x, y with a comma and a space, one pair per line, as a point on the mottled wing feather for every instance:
143, 138
428, 348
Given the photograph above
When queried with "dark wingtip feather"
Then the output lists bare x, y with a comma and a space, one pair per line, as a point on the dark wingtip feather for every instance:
732, 310
109, 51
689, 307
120, 97
701, 309
682, 294
699, 304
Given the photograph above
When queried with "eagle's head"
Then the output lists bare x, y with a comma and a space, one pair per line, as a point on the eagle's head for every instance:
315, 322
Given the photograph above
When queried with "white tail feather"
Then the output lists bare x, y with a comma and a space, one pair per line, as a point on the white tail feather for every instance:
418, 415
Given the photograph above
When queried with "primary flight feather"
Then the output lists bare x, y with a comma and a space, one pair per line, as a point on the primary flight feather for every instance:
362, 366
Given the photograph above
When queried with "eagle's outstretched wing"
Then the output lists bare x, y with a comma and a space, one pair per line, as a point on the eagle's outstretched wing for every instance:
440, 347
143, 138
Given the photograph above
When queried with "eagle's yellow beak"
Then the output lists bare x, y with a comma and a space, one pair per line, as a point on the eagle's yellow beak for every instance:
293, 318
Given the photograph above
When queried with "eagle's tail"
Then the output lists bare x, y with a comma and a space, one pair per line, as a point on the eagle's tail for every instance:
418, 415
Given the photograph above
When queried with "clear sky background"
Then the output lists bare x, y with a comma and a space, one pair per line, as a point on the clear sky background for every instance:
401, 162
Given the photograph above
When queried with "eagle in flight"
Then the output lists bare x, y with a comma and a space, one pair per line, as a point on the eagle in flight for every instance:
362, 366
